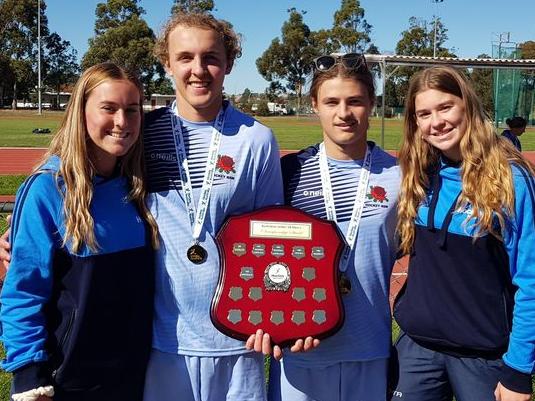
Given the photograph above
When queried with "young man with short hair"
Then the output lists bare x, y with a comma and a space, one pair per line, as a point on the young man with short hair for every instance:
205, 161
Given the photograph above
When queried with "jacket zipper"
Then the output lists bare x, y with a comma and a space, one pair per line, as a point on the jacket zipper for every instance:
64, 339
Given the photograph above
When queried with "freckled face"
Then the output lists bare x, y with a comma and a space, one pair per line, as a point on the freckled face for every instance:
441, 118
113, 122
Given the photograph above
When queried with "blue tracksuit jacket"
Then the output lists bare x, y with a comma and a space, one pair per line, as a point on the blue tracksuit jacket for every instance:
79, 321
473, 297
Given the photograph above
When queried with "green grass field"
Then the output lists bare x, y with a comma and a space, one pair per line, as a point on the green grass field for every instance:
10, 183
16, 128
291, 132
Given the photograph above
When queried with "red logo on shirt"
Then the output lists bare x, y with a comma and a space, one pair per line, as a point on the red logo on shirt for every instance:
225, 164
378, 194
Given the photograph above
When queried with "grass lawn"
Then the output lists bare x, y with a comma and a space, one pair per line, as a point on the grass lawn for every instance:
299, 132
10, 183
16, 127
291, 132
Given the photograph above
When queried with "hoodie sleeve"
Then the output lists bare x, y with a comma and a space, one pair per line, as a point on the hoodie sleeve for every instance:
28, 285
520, 357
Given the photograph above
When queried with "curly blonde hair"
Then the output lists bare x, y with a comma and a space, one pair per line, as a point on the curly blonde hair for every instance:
487, 178
76, 170
231, 40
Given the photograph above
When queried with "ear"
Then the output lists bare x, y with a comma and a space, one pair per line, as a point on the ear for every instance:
229, 68
314, 105
167, 68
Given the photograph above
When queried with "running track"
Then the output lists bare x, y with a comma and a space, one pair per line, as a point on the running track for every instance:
22, 160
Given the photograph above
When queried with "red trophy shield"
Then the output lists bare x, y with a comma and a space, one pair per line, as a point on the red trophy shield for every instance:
279, 273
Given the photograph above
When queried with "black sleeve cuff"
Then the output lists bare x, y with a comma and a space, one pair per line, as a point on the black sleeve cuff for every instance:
30, 377
516, 381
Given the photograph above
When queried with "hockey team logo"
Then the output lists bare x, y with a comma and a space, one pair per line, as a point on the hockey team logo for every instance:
377, 194
225, 165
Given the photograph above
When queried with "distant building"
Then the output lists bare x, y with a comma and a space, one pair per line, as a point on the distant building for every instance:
156, 101
49, 100
274, 108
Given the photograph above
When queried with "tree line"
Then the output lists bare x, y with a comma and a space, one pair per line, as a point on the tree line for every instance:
122, 35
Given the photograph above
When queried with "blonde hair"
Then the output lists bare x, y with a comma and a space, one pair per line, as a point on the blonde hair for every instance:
76, 170
231, 40
487, 178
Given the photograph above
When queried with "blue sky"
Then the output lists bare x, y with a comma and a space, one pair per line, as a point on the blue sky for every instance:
472, 24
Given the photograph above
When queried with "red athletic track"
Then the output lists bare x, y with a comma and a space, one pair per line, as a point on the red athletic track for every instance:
22, 160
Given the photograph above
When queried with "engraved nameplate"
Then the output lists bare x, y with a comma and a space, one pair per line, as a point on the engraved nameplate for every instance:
298, 252
239, 249
280, 229
259, 250
318, 252
246, 273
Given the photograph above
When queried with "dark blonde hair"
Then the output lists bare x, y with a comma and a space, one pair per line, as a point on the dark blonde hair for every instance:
231, 40
362, 75
76, 170
487, 179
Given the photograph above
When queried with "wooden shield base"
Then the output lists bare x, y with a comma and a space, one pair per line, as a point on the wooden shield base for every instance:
279, 273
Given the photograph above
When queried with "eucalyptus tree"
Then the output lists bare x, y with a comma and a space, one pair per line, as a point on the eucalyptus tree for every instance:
288, 60
18, 45
124, 37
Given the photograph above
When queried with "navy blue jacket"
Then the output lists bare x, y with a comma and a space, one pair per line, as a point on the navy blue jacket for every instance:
473, 297
78, 321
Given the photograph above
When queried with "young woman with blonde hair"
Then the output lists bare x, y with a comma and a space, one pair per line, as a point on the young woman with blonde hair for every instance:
466, 217
77, 303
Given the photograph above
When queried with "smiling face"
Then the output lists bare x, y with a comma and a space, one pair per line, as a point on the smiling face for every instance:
113, 122
198, 63
441, 120
343, 106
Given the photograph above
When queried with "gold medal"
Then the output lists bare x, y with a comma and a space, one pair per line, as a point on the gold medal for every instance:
196, 254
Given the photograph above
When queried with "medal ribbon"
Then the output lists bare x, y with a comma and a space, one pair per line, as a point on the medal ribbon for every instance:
197, 215
358, 205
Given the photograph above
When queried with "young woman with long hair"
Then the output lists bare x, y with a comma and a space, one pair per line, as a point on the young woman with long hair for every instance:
77, 303
467, 313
